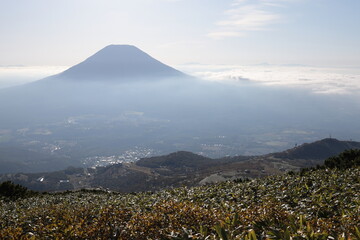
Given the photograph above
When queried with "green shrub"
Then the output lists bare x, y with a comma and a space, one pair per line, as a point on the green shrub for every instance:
345, 160
11, 191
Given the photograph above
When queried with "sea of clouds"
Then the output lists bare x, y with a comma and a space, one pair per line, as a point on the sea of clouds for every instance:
319, 80
17, 75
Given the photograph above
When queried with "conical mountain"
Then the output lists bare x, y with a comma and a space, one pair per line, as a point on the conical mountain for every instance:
119, 62
94, 86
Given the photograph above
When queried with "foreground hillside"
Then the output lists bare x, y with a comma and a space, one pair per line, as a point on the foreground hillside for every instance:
313, 204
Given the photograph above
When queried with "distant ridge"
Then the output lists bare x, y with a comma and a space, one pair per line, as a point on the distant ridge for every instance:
321, 149
182, 169
119, 62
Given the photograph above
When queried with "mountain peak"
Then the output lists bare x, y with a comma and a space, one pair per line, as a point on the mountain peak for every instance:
119, 46
120, 62
112, 53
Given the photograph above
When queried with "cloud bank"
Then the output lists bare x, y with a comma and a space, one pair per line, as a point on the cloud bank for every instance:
17, 75
319, 80
340, 81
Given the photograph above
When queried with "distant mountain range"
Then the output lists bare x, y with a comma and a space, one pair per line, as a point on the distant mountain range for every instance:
182, 168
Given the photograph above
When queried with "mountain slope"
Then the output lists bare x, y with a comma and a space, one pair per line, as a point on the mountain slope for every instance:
120, 77
119, 62
319, 204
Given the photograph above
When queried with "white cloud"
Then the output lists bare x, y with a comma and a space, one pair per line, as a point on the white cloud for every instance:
249, 18
244, 16
224, 34
340, 81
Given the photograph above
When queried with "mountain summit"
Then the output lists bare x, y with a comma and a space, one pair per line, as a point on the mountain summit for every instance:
119, 62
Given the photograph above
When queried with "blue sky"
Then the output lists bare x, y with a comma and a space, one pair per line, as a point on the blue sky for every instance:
311, 32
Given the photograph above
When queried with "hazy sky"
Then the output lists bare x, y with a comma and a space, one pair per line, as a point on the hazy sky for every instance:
313, 32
